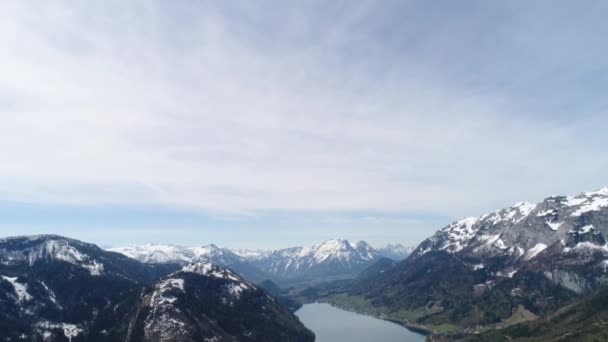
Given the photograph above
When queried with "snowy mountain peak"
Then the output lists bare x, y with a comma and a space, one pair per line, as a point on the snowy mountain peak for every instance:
154, 253
525, 230
588, 202
30, 249
561, 231
251, 254
334, 257
211, 270
334, 244
601, 192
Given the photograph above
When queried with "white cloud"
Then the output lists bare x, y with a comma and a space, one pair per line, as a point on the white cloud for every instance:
119, 103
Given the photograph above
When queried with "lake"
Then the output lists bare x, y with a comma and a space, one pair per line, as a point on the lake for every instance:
331, 324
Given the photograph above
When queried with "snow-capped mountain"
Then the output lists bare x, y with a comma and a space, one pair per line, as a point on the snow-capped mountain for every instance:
538, 256
396, 251
525, 229
53, 287
14, 251
575, 228
29, 251
332, 258
58, 289
152, 253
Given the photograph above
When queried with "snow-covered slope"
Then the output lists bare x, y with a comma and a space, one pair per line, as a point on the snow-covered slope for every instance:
30, 249
527, 234
331, 258
154, 253
151, 253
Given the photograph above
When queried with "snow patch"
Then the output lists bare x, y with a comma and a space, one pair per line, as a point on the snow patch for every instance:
459, 234
69, 330
525, 209
546, 213
95, 268
236, 289
588, 202
162, 295
211, 270
50, 247
20, 289
586, 245
52, 296
532, 252
554, 225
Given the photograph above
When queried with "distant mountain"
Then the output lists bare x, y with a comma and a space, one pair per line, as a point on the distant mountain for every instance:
396, 252
152, 253
58, 289
479, 271
332, 259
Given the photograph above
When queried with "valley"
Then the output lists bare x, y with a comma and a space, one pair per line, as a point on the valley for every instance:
506, 275
301, 171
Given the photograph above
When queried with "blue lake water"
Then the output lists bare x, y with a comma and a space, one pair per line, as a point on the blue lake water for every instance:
331, 324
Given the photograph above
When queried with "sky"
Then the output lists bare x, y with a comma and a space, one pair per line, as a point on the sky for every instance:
270, 124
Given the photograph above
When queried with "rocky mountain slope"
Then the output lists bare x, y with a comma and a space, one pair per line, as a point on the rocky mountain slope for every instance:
58, 289
206, 302
481, 271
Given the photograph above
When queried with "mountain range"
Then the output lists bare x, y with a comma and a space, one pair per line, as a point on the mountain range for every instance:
58, 289
528, 271
499, 269
331, 259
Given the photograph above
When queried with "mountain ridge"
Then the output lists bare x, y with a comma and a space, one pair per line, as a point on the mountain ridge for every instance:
330, 258
483, 271
57, 289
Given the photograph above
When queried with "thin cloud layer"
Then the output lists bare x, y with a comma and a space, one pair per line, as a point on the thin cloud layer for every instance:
321, 107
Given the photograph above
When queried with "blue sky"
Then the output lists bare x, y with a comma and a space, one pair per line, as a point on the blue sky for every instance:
272, 124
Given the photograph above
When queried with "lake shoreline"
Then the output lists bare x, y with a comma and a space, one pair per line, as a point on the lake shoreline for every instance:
371, 328
418, 329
